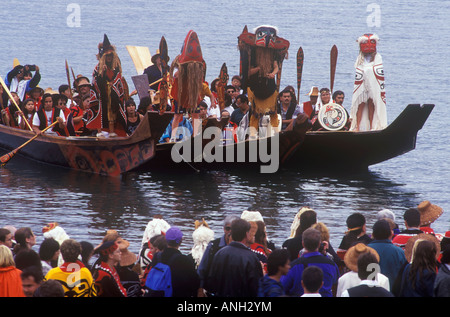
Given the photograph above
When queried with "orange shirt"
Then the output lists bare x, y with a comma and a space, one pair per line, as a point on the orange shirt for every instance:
10, 282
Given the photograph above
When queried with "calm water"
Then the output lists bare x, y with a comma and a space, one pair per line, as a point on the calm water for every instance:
416, 64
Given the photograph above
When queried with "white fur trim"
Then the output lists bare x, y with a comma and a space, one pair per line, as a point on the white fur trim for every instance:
252, 216
154, 227
201, 237
266, 26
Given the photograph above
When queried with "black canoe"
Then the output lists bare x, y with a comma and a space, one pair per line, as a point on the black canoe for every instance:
321, 150
104, 156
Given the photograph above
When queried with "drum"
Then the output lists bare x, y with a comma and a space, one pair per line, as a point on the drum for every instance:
332, 117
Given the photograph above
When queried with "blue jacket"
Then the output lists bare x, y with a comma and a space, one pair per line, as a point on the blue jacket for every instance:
268, 287
292, 281
184, 131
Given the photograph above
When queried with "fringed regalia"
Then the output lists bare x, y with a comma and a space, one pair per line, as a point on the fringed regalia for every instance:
262, 53
112, 90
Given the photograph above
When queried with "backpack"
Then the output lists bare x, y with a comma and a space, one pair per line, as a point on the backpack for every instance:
159, 279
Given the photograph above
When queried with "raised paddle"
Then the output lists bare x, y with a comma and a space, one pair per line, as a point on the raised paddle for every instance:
333, 61
14, 102
5, 158
68, 82
300, 58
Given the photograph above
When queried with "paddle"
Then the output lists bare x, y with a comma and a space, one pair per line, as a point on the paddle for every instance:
5, 158
333, 61
300, 58
68, 82
14, 102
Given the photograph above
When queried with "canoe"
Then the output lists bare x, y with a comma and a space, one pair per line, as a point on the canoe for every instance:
322, 150
103, 156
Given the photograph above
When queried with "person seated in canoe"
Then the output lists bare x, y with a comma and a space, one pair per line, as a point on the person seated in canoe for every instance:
79, 114
60, 101
133, 117
47, 115
323, 99
182, 132
9, 116
287, 108
28, 112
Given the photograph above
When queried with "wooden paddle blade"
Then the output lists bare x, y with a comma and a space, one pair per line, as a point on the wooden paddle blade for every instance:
140, 56
164, 52
300, 58
333, 62
223, 80
4, 159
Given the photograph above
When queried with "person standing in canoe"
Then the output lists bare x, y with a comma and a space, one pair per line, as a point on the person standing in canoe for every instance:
112, 89
368, 111
187, 81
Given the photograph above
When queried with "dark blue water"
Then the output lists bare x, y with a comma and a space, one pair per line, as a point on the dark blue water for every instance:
416, 61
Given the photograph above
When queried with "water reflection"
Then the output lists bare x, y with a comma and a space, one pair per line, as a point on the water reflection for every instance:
86, 205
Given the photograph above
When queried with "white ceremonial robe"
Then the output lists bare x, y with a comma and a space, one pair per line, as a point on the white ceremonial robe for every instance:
369, 83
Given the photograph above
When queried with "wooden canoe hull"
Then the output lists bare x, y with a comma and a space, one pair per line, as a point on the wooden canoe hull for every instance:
104, 156
324, 150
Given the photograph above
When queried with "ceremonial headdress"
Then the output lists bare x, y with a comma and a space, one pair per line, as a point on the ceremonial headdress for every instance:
191, 50
428, 212
105, 46
368, 43
107, 248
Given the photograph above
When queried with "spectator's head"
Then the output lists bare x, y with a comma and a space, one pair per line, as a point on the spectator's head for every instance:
412, 218
381, 230
312, 279
50, 288
356, 223
49, 247
240, 229
311, 239
31, 279
70, 250
367, 265
174, 236
278, 262
6, 257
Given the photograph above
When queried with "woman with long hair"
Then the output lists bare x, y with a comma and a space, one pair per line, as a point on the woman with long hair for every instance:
419, 275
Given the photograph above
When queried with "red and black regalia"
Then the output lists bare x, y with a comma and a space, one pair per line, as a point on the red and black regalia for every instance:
187, 82
262, 54
112, 89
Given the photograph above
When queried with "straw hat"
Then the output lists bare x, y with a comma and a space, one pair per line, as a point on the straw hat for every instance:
352, 254
313, 92
422, 236
428, 212
50, 91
